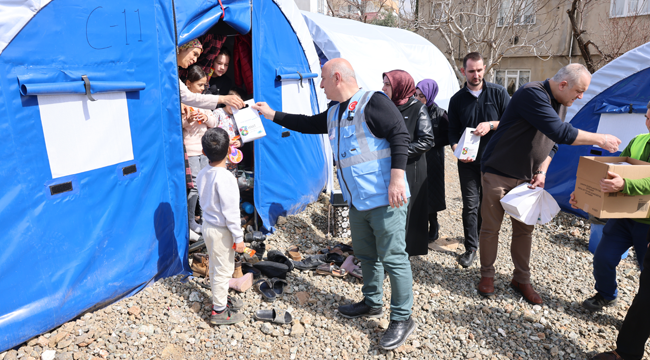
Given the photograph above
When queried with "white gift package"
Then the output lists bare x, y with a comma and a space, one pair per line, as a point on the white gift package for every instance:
467, 148
530, 206
248, 123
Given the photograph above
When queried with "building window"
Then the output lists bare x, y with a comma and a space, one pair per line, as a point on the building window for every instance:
512, 79
520, 12
622, 8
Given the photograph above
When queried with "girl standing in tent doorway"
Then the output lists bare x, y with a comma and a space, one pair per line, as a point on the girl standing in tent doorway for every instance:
220, 84
194, 126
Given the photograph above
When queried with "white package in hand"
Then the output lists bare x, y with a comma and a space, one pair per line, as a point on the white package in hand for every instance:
248, 123
467, 148
530, 206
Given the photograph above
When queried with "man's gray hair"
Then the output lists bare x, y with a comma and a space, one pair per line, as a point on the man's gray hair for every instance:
571, 73
347, 73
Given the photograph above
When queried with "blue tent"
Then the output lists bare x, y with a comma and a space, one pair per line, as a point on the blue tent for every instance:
614, 104
94, 201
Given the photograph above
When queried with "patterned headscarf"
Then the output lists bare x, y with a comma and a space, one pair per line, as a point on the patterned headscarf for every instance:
429, 89
192, 44
402, 84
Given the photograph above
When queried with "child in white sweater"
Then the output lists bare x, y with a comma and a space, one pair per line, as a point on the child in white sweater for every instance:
219, 196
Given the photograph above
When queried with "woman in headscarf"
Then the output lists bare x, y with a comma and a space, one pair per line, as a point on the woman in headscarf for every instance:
186, 56
426, 92
400, 87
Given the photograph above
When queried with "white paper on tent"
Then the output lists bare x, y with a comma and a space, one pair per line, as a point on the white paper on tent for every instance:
530, 206
248, 122
467, 148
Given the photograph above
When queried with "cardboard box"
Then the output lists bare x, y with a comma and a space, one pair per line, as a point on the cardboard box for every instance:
592, 169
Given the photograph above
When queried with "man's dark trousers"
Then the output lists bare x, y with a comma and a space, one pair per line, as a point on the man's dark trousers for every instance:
635, 331
472, 193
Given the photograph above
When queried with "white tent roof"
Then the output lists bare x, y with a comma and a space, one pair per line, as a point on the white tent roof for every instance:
627, 64
14, 15
373, 50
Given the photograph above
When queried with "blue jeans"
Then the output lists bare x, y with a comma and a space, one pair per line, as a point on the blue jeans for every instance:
618, 236
378, 238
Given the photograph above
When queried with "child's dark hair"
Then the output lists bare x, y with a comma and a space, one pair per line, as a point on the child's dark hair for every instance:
224, 51
195, 73
216, 142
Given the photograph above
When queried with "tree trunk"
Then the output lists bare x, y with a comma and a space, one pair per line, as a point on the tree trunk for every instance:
577, 35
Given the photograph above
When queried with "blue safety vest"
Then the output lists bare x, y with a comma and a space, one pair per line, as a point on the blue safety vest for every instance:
362, 160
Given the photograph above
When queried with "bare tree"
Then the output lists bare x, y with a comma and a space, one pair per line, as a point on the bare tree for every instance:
624, 31
495, 28
360, 10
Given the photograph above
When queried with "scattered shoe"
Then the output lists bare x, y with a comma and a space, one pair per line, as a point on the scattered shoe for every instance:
294, 253
265, 288
351, 267
226, 317
278, 286
260, 249
597, 303
486, 286
247, 268
528, 292
345, 248
334, 257
360, 309
310, 262
467, 258
242, 283
235, 303
277, 316
200, 265
610, 355
272, 269
331, 269
278, 257
237, 273
255, 236
251, 259
397, 333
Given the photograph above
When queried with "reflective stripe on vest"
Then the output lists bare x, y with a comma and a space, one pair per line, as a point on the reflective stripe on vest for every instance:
636, 150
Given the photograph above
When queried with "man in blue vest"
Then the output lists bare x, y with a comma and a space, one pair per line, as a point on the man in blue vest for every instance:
370, 143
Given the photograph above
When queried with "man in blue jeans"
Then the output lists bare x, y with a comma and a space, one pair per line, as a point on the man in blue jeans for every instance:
370, 143
620, 234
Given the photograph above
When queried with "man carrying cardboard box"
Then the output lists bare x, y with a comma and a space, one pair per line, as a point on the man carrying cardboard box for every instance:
521, 151
620, 234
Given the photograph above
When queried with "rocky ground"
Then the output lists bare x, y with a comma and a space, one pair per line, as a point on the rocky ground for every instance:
170, 320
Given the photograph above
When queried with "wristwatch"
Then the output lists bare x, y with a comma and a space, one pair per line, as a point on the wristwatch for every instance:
540, 172
491, 125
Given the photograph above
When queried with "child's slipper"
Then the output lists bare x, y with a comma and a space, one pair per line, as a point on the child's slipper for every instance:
331, 269
277, 316
294, 253
266, 289
242, 283
351, 268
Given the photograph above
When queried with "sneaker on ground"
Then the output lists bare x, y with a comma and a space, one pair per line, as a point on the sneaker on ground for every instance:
397, 333
226, 317
597, 302
360, 309
235, 303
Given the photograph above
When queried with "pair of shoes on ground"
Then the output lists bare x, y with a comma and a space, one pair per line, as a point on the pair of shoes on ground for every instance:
397, 332
277, 316
270, 288
229, 315
486, 288
597, 303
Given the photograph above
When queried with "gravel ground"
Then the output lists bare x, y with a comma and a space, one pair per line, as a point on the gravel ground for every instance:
170, 320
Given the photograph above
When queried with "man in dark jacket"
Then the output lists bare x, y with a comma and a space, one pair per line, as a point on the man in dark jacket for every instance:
480, 105
521, 151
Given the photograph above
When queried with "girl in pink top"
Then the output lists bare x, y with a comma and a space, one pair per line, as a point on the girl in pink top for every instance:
199, 121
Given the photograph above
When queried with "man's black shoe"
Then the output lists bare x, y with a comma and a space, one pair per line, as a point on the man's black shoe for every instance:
397, 333
597, 303
467, 258
360, 309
